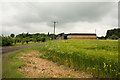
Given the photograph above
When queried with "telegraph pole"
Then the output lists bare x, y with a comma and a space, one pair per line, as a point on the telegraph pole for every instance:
54, 29
95, 31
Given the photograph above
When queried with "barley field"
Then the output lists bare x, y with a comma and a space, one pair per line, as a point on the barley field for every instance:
97, 57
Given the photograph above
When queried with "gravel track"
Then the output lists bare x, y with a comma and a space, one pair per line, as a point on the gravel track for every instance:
11, 49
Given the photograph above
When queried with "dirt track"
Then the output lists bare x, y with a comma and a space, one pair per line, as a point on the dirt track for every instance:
36, 67
11, 49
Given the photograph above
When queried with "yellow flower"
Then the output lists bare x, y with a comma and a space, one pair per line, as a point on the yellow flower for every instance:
104, 65
93, 68
110, 65
107, 65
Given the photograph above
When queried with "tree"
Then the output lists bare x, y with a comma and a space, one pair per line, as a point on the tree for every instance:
27, 40
102, 37
12, 35
23, 41
7, 41
113, 33
38, 39
43, 39
14, 40
34, 39
113, 37
48, 34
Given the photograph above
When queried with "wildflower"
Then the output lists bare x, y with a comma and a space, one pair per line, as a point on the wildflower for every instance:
107, 65
110, 65
104, 65
93, 68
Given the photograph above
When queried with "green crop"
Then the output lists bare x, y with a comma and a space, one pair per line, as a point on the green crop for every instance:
98, 57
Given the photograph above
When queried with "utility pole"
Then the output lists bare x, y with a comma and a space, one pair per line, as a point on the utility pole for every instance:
54, 29
95, 31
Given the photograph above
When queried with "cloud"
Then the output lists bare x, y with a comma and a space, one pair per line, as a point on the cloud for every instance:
71, 17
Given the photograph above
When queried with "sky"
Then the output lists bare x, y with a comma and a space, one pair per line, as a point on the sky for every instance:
71, 17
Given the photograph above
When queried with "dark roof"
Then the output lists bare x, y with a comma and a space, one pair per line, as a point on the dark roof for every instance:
81, 34
61, 34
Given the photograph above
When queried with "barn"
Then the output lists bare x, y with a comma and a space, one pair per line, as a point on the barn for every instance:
78, 36
81, 36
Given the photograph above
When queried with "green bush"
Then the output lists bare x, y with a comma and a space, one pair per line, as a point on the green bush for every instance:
7, 41
12, 35
18, 39
43, 39
27, 39
23, 41
38, 39
114, 37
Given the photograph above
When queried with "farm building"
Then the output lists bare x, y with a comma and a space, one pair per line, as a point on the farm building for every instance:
81, 36
78, 36
62, 36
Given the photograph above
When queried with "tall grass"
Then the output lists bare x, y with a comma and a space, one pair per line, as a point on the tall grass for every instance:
98, 57
10, 64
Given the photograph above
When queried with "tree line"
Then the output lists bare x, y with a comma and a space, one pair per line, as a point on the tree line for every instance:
111, 34
25, 38
37, 37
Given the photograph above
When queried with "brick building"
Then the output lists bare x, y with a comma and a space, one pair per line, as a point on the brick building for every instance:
78, 36
81, 36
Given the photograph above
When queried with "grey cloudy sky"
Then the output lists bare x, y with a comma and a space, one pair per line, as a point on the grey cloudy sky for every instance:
79, 17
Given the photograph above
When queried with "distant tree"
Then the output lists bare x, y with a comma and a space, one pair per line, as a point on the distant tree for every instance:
35, 40
113, 33
7, 41
31, 39
42, 35
113, 37
38, 39
23, 35
12, 35
37, 34
27, 39
48, 34
102, 37
27, 35
23, 41
17, 39
14, 40
43, 39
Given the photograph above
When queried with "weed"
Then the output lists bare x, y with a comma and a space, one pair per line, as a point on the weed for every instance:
30, 56
29, 62
35, 67
33, 62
